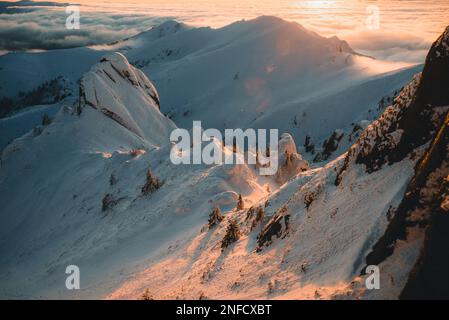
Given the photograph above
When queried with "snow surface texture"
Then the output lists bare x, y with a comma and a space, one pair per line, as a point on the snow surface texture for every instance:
261, 73
73, 192
64, 223
96, 148
114, 85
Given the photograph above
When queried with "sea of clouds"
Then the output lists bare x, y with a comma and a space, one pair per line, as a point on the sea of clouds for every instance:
406, 31
42, 26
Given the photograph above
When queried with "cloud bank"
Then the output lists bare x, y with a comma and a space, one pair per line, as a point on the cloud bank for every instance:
392, 46
406, 31
43, 28
7, 7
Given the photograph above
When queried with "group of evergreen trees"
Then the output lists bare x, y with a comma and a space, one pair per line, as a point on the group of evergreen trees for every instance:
48, 92
233, 232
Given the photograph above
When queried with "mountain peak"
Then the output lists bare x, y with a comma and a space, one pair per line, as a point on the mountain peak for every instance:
114, 57
295, 31
433, 87
269, 20
169, 27
125, 94
121, 66
441, 46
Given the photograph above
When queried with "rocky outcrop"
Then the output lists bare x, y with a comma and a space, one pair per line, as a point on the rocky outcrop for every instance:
124, 94
423, 212
329, 146
430, 278
290, 161
277, 227
412, 121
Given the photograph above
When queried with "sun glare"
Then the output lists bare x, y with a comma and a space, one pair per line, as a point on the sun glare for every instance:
318, 3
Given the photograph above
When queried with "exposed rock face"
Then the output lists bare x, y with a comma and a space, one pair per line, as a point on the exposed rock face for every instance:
423, 211
419, 122
329, 146
277, 227
430, 277
413, 119
381, 137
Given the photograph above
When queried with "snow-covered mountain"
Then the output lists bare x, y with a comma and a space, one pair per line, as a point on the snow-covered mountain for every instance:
89, 193
261, 73
384, 202
113, 86
92, 183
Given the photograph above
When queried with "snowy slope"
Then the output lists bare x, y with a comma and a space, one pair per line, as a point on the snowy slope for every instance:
66, 170
266, 73
25, 71
260, 73
316, 249
384, 202
75, 191
17, 125
257, 65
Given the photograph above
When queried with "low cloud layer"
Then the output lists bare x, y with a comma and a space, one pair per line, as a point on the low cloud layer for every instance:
41, 25
393, 46
7, 7
44, 28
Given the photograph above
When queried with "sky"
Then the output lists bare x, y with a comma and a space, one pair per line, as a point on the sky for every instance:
404, 32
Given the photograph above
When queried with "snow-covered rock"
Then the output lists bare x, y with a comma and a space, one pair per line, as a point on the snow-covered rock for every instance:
290, 162
125, 94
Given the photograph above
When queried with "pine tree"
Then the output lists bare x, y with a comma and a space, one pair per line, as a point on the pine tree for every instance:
232, 234
108, 202
46, 120
215, 217
309, 146
240, 204
250, 213
151, 185
112, 179
260, 215
146, 295
307, 141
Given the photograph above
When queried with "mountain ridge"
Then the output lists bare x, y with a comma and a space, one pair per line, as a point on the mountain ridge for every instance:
101, 192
